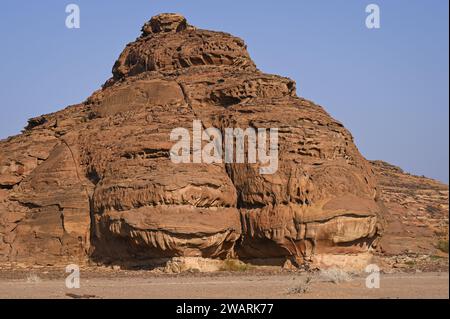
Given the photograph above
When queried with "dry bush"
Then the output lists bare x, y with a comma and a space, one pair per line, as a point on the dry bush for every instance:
234, 265
33, 279
302, 287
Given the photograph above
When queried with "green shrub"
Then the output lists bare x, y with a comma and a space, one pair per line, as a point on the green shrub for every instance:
442, 245
410, 263
234, 265
436, 257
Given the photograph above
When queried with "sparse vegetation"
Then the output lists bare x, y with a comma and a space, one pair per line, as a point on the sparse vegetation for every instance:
33, 278
436, 257
442, 245
432, 210
303, 287
234, 265
411, 263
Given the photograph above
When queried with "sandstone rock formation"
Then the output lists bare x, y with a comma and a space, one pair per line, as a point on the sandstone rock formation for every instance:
417, 211
95, 180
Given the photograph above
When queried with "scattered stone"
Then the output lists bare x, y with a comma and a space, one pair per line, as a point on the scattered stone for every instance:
288, 265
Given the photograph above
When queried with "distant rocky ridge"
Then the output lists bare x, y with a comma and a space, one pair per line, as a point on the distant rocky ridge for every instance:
417, 211
95, 181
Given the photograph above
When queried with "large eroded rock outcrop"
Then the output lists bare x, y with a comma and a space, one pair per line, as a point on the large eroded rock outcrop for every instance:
95, 180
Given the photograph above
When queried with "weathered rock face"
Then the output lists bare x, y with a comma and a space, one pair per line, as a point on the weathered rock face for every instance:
95, 180
417, 216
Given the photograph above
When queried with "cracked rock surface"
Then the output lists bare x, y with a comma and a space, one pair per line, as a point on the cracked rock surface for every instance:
95, 180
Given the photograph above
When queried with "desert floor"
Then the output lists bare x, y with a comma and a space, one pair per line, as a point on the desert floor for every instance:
141, 284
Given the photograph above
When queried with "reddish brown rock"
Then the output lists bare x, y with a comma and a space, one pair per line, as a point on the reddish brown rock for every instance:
95, 180
417, 215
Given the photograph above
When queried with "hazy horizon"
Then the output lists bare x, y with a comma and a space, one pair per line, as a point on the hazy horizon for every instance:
388, 86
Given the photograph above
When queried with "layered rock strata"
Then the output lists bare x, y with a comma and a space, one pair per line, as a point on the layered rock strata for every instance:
95, 180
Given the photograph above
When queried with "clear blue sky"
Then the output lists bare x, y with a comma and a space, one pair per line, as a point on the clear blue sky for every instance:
388, 86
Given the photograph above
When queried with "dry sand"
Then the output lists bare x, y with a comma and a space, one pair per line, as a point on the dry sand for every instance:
141, 284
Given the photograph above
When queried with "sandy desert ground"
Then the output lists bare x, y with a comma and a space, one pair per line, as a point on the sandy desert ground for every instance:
141, 284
